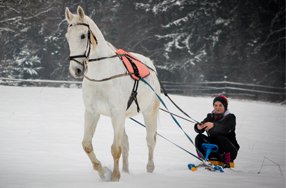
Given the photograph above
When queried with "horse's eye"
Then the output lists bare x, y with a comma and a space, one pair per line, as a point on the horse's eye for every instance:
82, 36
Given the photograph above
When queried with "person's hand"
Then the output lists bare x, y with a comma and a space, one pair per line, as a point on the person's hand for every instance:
200, 126
208, 125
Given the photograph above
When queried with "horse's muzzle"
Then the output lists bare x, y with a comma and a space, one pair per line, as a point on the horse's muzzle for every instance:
77, 70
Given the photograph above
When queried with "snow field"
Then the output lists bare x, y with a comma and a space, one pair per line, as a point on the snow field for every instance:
41, 131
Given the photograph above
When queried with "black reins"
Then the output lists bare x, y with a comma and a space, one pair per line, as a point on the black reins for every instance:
133, 96
72, 58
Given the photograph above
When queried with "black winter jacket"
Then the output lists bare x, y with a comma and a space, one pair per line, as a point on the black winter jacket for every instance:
225, 126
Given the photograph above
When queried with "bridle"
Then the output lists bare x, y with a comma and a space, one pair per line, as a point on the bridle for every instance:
87, 50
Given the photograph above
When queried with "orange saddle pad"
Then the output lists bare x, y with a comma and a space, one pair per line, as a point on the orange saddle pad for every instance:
126, 57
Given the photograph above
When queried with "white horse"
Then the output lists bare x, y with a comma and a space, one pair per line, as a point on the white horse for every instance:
109, 97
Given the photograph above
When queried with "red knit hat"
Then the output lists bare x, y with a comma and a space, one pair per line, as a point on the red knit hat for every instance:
221, 99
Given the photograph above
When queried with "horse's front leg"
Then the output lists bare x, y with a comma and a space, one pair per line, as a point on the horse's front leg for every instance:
125, 152
118, 123
90, 122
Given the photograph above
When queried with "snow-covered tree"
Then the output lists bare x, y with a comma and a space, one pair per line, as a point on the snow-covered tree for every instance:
243, 40
27, 64
190, 31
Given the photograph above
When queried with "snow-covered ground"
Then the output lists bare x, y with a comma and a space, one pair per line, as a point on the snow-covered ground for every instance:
41, 131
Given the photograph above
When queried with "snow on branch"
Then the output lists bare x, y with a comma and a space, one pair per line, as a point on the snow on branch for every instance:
15, 19
164, 6
10, 8
36, 15
180, 20
6, 29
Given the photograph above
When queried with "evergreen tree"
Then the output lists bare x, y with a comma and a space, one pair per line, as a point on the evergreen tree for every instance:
244, 40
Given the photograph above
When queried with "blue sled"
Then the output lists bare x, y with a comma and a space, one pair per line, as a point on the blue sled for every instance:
209, 148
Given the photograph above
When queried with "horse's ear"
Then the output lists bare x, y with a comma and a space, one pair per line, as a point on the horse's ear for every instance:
69, 15
80, 12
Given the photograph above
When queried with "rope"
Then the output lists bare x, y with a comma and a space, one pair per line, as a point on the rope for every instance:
169, 141
166, 94
172, 116
177, 116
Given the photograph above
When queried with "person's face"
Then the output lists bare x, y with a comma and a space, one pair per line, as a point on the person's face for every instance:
218, 107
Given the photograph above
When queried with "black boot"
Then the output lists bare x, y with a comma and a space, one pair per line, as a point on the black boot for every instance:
221, 157
226, 165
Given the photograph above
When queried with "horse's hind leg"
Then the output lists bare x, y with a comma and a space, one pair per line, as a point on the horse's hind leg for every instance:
125, 152
90, 123
150, 119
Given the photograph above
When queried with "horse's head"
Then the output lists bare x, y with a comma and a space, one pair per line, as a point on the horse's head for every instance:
82, 41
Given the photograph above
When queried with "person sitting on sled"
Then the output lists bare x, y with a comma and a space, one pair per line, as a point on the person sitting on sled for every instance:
220, 128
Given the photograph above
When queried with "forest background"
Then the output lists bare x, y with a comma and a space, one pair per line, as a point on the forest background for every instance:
188, 40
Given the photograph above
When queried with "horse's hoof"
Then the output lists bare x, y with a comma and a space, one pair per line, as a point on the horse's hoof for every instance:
116, 176
126, 170
150, 167
115, 179
107, 174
